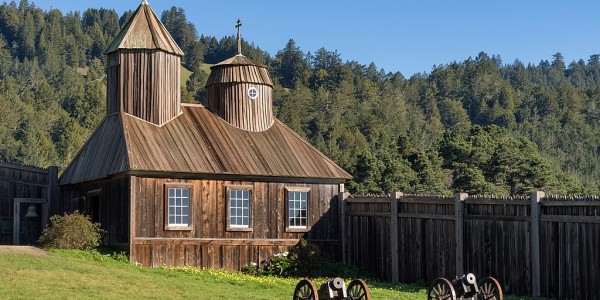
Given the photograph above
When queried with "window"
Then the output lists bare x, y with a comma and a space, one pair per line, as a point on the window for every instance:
239, 208
252, 92
297, 209
178, 213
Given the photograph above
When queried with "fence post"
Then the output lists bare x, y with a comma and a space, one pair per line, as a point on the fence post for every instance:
342, 195
52, 192
536, 197
394, 235
458, 230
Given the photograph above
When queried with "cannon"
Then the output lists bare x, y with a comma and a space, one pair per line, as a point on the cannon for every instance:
465, 287
332, 289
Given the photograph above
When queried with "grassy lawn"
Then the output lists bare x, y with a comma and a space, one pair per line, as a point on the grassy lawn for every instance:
81, 275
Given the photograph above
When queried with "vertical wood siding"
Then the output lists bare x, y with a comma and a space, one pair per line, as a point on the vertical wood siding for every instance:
144, 83
113, 201
230, 101
209, 244
367, 229
497, 242
23, 182
496, 239
570, 248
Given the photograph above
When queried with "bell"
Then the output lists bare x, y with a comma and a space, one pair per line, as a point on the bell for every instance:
31, 213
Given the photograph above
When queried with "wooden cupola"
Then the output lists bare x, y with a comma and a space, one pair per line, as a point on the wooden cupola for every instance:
143, 74
240, 92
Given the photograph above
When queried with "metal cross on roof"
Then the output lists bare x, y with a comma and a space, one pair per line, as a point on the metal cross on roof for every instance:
239, 38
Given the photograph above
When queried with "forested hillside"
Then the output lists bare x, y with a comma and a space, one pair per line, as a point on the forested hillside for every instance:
480, 125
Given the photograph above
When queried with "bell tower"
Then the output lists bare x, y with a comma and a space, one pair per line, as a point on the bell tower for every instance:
143, 75
240, 91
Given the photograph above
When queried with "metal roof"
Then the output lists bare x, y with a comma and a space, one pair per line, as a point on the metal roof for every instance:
197, 143
144, 30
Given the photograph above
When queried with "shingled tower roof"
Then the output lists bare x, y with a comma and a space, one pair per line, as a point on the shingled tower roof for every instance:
144, 30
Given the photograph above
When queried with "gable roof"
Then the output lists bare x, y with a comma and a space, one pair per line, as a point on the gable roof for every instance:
144, 30
197, 143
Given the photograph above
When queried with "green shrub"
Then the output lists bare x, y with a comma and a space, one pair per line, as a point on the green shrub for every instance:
279, 265
252, 269
304, 260
71, 231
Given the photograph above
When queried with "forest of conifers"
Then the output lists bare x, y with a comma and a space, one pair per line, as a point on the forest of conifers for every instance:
480, 125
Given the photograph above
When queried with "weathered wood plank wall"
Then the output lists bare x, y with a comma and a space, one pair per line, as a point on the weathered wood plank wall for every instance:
425, 226
570, 247
367, 226
497, 241
24, 182
209, 244
488, 236
105, 200
231, 102
144, 83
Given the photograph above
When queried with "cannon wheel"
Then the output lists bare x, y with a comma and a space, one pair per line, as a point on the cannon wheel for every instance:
305, 290
441, 289
490, 289
358, 290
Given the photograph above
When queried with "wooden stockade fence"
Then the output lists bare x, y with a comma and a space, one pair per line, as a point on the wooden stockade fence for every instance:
21, 186
540, 245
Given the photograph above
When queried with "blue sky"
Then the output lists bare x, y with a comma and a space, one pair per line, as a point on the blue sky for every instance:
405, 36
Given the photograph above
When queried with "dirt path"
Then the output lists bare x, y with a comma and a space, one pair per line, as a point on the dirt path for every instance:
23, 249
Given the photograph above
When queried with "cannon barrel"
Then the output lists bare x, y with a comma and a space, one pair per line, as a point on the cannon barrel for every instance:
333, 289
336, 283
466, 285
471, 279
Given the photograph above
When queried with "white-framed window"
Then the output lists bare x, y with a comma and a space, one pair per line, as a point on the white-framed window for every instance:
252, 92
239, 208
297, 205
178, 206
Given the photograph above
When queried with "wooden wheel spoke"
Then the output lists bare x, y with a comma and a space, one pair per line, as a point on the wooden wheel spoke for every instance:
441, 289
490, 289
358, 290
305, 290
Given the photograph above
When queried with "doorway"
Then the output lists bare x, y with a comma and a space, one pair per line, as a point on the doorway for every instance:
29, 219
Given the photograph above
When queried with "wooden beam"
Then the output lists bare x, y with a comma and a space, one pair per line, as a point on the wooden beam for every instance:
342, 196
458, 230
394, 236
215, 241
497, 218
426, 216
441, 201
497, 202
570, 219
368, 200
367, 214
570, 203
536, 198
